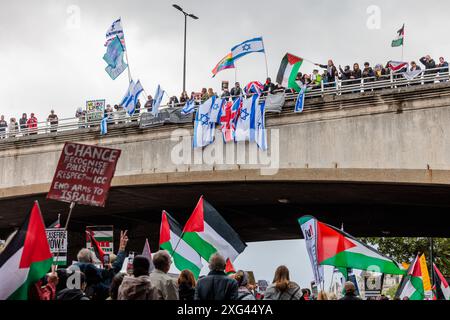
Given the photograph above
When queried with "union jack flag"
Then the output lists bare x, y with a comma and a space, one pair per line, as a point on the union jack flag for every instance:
230, 113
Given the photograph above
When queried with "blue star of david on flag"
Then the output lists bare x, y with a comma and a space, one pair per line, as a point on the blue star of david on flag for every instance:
204, 118
246, 47
244, 114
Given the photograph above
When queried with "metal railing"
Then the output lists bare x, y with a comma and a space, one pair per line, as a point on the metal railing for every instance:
336, 88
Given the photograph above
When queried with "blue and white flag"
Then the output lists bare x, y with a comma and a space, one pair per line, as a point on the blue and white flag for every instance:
114, 59
247, 47
300, 104
114, 31
104, 126
204, 129
189, 107
159, 95
130, 99
245, 119
259, 126
216, 110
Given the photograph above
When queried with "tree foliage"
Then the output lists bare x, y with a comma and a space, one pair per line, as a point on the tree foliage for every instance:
404, 250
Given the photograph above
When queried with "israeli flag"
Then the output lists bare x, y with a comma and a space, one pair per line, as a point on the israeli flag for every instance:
130, 99
188, 108
216, 110
159, 95
116, 30
104, 126
300, 104
245, 119
260, 126
204, 129
248, 47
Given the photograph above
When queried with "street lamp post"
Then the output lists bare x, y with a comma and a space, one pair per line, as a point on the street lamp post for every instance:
186, 15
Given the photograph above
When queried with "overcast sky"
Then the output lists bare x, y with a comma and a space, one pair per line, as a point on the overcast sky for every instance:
51, 53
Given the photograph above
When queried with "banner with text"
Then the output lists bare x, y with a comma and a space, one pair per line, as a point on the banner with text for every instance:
84, 174
57, 240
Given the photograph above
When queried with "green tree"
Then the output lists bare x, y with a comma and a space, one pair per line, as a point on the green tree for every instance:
404, 250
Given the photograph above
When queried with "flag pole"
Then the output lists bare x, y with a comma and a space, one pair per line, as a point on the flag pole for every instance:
126, 55
72, 206
265, 55
403, 46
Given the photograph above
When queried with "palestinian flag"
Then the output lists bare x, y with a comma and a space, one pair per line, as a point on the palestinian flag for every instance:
26, 259
412, 284
288, 72
185, 258
226, 63
208, 233
441, 288
399, 41
98, 250
229, 269
396, 66
334, 247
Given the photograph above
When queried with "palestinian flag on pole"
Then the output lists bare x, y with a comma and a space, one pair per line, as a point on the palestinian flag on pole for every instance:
441, 287
98, 251
337, 248
400, 40
208, 233
185, 257
288, 72
412, 283
26, 259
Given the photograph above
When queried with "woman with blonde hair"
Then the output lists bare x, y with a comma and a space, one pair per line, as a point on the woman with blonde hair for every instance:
282, 287
322, 296
186, 286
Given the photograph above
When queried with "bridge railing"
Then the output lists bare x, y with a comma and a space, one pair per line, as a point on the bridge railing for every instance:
337, 88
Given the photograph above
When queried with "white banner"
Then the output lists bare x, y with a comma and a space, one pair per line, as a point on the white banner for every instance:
309, 229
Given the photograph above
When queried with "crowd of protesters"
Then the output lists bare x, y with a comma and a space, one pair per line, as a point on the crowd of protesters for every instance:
151, 280
328, 77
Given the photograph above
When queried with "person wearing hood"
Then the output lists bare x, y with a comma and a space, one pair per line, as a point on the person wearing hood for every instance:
74, 294
243, 292
138, 286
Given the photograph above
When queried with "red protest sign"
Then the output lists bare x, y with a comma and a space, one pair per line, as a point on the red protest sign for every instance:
84, 174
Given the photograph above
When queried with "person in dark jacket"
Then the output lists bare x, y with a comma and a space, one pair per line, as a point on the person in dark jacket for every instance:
429, 64
217, 286
345, 74
368, 72
186, 286
331, 71
236, 91
23, 123
74, 294
350, 294
269, 87
98, 280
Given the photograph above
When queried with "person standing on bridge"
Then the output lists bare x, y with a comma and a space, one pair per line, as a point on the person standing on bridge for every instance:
32, 125
13, 128
3, 126
429, 63
149, 104
53, 120
23, 124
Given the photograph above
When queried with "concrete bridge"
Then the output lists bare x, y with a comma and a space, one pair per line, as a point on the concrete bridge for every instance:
375, 161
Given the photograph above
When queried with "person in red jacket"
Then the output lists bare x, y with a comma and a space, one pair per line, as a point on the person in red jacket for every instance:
32, 124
